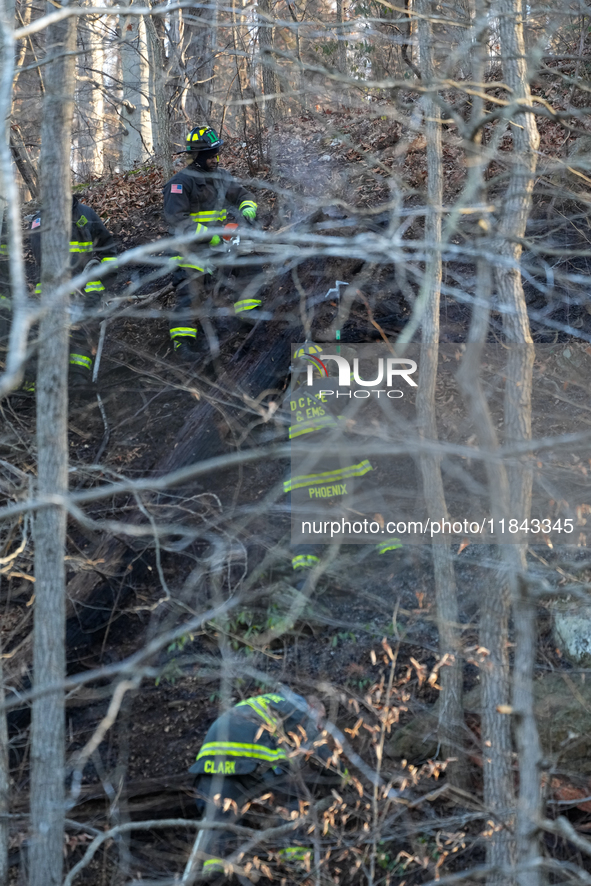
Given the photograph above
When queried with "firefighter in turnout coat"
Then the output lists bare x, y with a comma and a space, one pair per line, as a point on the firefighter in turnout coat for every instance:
196, 199
89, 241
332, 478
245, 754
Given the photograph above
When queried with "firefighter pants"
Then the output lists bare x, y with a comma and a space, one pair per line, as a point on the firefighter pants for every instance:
192, 287
217, 844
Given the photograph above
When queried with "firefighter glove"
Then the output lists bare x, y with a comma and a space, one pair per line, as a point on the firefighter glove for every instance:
250, 213
215, 240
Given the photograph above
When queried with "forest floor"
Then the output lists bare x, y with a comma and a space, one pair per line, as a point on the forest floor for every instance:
140, 769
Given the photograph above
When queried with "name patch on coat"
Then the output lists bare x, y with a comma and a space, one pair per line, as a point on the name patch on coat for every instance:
226, 767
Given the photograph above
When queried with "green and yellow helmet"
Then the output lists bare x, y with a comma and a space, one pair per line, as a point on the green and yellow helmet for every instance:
203, 138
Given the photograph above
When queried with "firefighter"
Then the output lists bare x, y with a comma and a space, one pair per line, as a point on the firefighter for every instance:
245, 754
90, 242
333, 478
195, 200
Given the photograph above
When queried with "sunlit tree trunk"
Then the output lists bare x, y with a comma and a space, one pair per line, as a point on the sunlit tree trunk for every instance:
49, 663
90, 103
136, 143
159, 105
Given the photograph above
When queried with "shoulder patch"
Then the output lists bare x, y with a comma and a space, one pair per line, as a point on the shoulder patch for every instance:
82, 221
176, 188
36, 223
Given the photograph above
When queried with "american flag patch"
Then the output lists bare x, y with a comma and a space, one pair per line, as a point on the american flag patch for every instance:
36, 223
176, 189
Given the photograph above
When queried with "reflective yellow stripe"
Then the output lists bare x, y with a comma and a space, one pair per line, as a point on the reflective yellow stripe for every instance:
183, 263
247, 304
94, 286
81, 360
38, 289
298, 853
3, 249
182, 331
307, 349
261, 708
247, 204
81, 246
108, 258
207, 216
310, 427
327, 476
391, 544
304, 561
238, 749
213, 864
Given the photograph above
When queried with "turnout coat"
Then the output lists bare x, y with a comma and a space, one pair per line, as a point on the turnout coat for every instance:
250, 736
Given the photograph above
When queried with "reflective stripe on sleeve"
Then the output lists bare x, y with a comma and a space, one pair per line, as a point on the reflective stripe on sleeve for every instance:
81, 360
246, 304
391, 544
304, 561
183, 332
38, 289
239, 749
300, 482
247, 204
214, 865
3, 249
94, 286
260, 707
81, 246
183, 263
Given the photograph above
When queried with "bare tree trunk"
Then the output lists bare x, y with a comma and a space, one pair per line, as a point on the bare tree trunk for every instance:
4, 778
48, 720
198, 54
451, 713
494, 611
266, 44
136, 144
23, 161
341, 48
516, 208
159, 105
90, 104
9, 197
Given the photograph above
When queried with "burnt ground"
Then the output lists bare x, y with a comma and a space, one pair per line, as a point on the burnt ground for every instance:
140, 769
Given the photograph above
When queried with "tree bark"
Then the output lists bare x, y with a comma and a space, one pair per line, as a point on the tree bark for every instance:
516, 208
136, 142
451, 714
159, 105
266, 45
48, 720
90, 104
4, 784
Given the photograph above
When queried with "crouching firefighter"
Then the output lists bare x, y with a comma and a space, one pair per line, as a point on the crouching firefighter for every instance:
246, 753
90, 244
324, 477
196, 199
